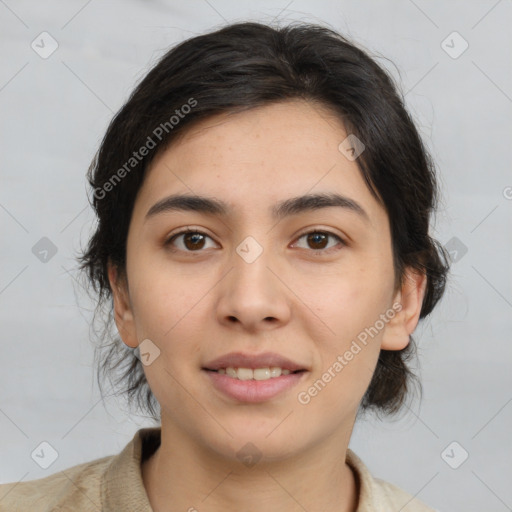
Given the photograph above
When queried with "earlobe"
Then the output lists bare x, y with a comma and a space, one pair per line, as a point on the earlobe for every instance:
410, 300
123, 315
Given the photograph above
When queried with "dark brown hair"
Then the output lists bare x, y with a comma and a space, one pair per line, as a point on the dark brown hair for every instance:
239, 67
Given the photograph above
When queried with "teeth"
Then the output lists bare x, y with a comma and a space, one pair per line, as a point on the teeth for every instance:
245, 374
231, 372
262, 374
256, 374
275, 371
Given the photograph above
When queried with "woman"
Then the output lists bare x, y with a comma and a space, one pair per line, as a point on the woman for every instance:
263, 200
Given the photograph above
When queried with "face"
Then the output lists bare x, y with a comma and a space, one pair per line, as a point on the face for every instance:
276, 281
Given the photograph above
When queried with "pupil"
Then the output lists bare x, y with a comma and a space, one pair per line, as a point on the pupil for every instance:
195, 237
316, 238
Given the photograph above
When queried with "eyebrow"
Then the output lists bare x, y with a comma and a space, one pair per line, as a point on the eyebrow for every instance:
288, 207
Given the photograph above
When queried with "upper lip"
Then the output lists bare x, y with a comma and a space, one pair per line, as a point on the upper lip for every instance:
253, 361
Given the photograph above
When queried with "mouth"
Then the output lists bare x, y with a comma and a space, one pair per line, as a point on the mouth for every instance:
255, 362
254, 374
253, 378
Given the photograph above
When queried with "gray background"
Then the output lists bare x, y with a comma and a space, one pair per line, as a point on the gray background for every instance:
54, 112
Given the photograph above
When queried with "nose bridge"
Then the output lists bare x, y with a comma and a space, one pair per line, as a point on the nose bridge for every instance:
251, 292
251, 261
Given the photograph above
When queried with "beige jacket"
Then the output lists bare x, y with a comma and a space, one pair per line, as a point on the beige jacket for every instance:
114, 484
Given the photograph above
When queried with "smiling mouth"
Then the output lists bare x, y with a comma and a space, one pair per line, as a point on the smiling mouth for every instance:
265, 373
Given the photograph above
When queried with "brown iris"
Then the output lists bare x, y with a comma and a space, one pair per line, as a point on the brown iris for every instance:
193, 240
314, 239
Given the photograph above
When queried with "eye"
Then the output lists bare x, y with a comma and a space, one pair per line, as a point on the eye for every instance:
319, 240
192, 240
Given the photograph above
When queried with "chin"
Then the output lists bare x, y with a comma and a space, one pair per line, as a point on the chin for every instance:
264, 439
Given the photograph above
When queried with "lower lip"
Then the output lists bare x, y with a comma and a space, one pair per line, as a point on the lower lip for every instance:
253, 390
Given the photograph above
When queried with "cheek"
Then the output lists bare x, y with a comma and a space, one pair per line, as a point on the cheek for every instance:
341, 386
164, 300
167, 310
348, 301
347, 358
350, 305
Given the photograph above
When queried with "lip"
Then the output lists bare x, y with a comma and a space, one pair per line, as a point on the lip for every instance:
253, 361
253, 391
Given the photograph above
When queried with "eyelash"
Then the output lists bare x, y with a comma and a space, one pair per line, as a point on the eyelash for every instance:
170, 240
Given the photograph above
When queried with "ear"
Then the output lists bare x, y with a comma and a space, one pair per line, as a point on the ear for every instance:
407, 304
123, 314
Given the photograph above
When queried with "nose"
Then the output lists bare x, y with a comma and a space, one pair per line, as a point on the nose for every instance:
253, 295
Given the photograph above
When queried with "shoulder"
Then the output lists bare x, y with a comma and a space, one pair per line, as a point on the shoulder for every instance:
111, 483
77, 488
380, 496
399, 499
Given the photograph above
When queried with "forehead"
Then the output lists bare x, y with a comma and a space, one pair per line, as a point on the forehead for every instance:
260, 157
287, 131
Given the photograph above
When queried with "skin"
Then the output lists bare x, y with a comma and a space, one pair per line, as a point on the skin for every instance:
307, 302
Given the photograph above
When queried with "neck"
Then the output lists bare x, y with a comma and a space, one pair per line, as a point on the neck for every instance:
181, 476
